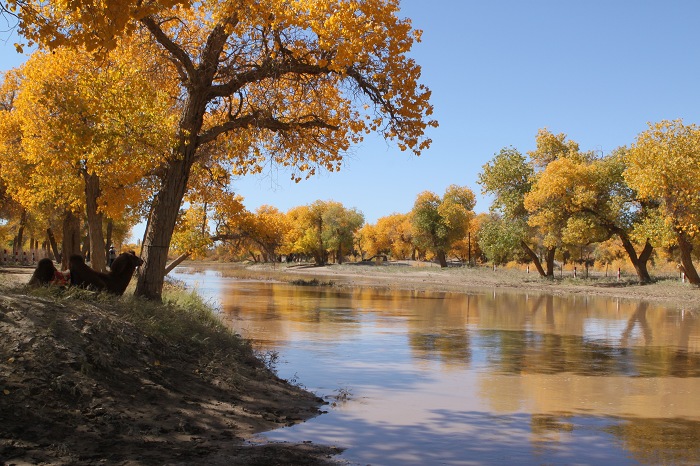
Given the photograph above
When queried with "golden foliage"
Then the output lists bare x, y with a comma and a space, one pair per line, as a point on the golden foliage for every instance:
664, 165
73, 114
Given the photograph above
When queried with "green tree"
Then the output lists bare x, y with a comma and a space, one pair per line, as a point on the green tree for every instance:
340, 226
500, 239
438, 223
508, 177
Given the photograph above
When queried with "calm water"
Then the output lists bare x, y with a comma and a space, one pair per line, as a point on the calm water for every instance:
416, 378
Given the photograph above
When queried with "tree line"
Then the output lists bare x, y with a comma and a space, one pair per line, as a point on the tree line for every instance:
556, 203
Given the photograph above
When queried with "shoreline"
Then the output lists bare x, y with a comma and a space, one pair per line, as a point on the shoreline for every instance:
401, 276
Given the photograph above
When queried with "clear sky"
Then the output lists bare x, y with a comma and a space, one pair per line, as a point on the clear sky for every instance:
597, 70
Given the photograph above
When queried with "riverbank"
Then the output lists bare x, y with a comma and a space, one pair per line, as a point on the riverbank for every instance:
427, 277
88, 378
84, 380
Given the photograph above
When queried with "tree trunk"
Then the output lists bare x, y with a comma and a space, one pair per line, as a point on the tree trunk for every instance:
108, 239
19, 239
535, 260
167, 201
178, 260
686, 249
94, 220
442, 258
639, 262
321, 256
54, 245
71, 238
340, 253
550, 262
161, 224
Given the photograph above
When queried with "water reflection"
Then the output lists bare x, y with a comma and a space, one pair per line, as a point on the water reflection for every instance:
482, 377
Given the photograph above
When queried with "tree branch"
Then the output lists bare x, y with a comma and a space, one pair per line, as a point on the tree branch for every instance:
269, 68
261, 119
180, 57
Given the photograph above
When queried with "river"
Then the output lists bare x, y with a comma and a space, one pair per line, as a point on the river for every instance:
474, 378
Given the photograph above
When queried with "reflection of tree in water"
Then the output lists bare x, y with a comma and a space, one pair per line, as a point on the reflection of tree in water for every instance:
449, 345
660, 441
546, 431
638, 317
532, 352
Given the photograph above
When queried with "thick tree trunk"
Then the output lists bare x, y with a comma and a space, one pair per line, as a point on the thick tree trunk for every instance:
94, 220
160, 227
442, 258
54, 245
550, 262
167, 201
639, 262
71, 238
533, 257
686, 249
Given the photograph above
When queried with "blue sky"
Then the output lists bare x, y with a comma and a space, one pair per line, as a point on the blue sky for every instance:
597, 70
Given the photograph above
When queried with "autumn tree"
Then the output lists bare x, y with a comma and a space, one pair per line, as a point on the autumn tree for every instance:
468, 248
323, 228
86, 132
395, 235
439, 222
587, 199
291, 83
212, 212
663, 167
368, 243
25, 178
260, 234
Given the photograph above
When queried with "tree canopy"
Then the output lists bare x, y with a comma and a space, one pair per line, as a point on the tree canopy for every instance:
439, 222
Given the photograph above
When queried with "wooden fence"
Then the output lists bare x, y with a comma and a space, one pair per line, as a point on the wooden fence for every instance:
30, 257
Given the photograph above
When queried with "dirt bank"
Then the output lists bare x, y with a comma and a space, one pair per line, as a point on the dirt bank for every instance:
419, 276
80, 383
